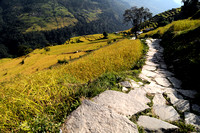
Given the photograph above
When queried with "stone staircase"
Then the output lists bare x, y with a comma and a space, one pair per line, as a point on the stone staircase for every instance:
111, 110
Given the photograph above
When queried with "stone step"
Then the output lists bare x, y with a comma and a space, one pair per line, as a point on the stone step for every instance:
155, 125
123, 103
164, 111
93, 118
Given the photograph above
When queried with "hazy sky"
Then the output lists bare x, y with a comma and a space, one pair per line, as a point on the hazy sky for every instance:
178, 1
156, 6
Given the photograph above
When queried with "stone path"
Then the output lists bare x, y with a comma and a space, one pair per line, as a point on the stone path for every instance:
109, 112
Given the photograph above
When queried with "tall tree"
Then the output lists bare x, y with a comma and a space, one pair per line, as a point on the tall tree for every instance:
190, 7
136, 16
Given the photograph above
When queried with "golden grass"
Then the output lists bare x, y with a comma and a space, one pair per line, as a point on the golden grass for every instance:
117, 57
47, 92
180, 25
39, 59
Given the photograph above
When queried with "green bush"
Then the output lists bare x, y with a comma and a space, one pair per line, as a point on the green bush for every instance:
47, 49
109, 42
64, 61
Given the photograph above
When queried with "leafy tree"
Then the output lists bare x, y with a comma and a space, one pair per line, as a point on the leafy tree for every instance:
105, 35
190, 7
136, 16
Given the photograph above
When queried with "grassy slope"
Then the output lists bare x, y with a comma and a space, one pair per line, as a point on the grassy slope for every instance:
40, 59
181, 42
40, 101
54, 14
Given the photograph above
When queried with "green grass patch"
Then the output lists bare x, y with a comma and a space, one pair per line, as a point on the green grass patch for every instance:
184, 128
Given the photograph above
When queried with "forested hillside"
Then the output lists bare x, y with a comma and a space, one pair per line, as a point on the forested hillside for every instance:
30, 24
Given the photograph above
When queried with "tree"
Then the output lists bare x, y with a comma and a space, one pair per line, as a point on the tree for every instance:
105, 35
136, 16
190, 7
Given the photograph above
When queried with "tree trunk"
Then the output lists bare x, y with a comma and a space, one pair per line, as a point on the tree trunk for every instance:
135, 34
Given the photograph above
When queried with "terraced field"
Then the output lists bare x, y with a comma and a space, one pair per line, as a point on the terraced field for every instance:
37, 97
41, 59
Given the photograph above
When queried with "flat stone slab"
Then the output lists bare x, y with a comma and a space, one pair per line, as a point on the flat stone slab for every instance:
120, 102
140, 95
188, 93
192, 119
163, 66
93, 118
196, 108
164, 72
163, 81
154, 88
144, 77
150, 68
159, 100
151, 63
148, 73
134, 84
155, 125
165, 112
175, 82
173, 95
182, 105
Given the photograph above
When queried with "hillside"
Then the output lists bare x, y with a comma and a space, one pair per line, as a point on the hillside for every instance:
53, 14
162, 19
182, 50
30, 24
39, 90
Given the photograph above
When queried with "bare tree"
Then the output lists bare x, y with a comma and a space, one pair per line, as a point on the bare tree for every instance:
136, 16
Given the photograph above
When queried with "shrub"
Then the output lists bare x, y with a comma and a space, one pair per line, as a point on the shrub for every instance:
64, 61
22, 62
109, 42
105, 35
47, 49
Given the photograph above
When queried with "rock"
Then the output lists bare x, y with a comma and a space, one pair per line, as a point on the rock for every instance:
126, 84
196, 108
153, 88
162, 81
148, 73
188, 93
93, 118
167, 113
120, 102
173, 95
134, 84
159, 100
155, 125
151, 63
182, 105
165, 72
163, 66
192, 119
144, 77
149, 68
124, 89
162, 110
175, 82
140, 83
140, 95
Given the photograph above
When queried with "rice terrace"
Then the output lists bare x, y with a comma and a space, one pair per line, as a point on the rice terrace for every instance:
108, 66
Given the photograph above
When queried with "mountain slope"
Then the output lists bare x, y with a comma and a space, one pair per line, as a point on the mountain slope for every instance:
53, 14
30, 24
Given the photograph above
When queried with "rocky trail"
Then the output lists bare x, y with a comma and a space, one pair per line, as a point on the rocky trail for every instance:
161, 102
